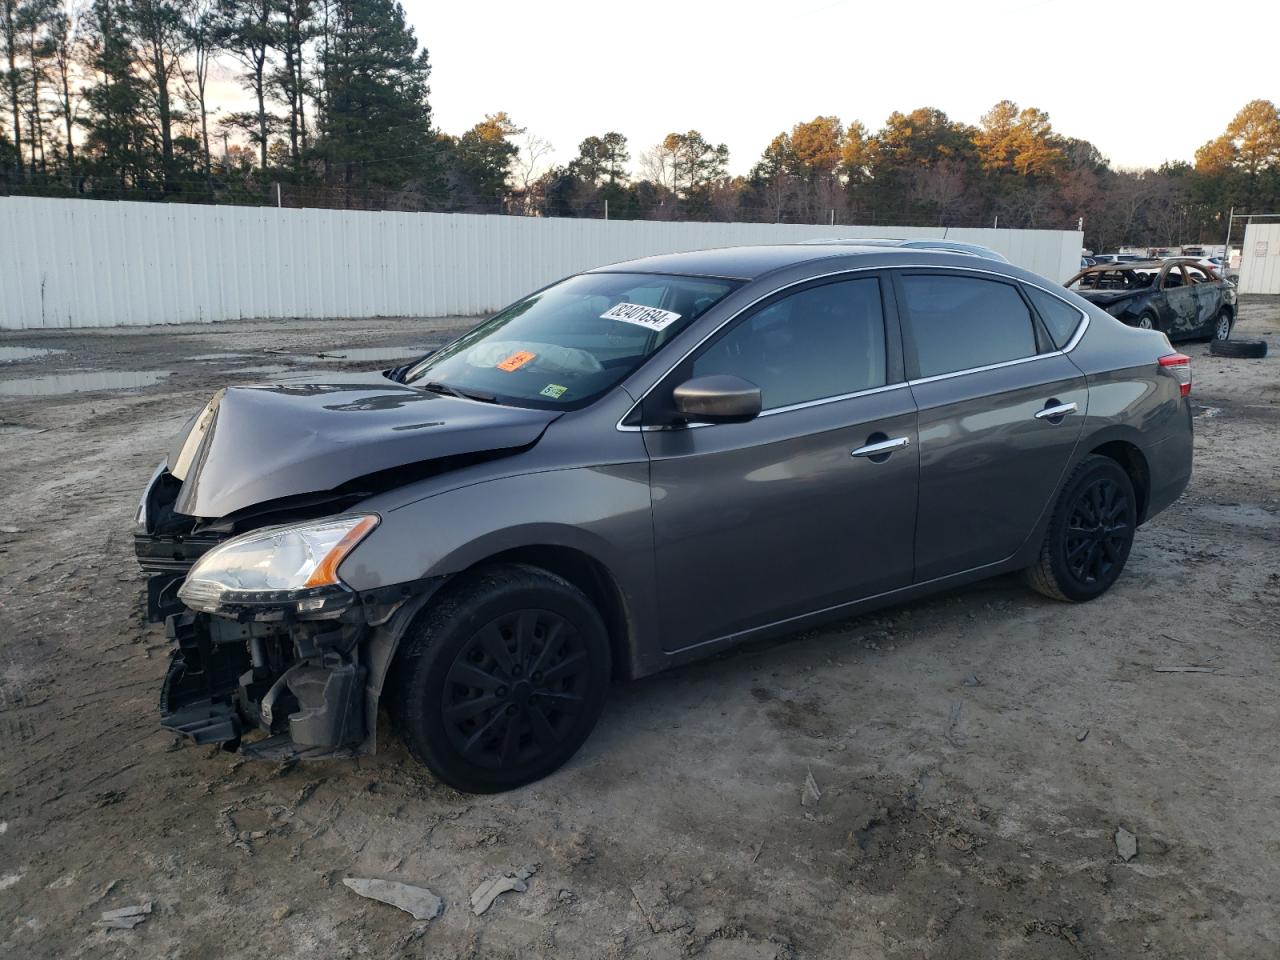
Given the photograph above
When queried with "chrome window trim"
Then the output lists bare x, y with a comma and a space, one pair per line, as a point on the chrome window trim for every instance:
1071, 344
990, 366
806, 404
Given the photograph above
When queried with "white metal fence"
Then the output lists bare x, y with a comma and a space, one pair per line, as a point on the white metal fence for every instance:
87, 263
1260, 259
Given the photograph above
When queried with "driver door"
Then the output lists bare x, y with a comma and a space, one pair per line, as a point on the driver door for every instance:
783, 515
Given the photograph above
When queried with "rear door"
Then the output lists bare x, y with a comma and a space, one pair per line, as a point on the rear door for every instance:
1182, 306
1207, 297
1000, 411
762, 521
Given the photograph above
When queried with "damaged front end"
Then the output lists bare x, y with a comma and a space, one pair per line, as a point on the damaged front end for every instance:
275, 685
273, 654
242, 530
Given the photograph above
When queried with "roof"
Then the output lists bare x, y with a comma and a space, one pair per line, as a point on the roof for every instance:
1150, 264
751, 262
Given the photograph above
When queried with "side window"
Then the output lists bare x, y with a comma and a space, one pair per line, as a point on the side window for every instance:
1061, 318
822, 342
1173, 278
957, 323
1195, 275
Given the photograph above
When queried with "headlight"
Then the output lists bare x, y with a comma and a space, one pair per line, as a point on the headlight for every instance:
294, 566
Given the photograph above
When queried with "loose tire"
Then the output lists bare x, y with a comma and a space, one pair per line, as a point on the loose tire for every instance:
1240, 349
499, 681
1090, 533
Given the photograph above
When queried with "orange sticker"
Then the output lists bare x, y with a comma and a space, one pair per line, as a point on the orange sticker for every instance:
516, 360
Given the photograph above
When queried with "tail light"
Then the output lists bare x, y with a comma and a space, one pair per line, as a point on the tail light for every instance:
1179, 364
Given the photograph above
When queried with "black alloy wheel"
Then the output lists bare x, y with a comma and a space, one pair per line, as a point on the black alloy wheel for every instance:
1098, 532
501, 677
1090, 533
515, 689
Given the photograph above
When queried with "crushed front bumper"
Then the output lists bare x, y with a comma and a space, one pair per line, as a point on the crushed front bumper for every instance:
286, 688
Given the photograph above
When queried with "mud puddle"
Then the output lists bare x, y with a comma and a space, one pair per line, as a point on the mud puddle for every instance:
81, 381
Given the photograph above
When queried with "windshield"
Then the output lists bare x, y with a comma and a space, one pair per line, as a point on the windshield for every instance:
568, 344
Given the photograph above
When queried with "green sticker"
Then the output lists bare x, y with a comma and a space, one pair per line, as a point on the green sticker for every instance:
554, 391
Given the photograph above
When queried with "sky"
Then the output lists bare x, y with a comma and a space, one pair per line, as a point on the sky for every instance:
1144, 82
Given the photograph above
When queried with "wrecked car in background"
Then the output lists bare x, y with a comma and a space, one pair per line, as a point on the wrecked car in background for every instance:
1178, 296
634, 468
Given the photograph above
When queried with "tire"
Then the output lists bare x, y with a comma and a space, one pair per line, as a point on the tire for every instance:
499, 681
1240, 349
1090, 533
1147, 321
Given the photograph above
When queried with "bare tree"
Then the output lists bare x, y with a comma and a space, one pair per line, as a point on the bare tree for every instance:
528, 167
246, 34
67, 44
201, 27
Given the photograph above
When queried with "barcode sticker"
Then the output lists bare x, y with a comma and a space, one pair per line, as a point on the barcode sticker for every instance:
642, 316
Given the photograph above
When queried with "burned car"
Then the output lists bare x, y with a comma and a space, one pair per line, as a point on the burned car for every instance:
1179, 296
633, 468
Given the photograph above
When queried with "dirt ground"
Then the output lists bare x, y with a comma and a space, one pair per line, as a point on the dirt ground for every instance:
975, 753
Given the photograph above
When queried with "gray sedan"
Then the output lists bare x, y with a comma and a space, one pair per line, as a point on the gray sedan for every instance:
632, 468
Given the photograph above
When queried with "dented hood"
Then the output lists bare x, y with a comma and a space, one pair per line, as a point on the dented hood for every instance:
250, 445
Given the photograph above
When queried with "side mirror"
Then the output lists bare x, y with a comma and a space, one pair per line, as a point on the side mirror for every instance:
719, 398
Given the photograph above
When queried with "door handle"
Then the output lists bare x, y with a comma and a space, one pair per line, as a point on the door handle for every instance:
1056, 412
881, 448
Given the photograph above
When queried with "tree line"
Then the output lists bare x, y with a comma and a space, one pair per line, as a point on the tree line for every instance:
112, 99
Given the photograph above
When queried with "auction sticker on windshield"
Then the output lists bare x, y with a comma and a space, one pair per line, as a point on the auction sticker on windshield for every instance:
516, 360
651, 317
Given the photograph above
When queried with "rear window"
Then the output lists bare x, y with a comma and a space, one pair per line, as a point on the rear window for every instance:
958, 323
1060, 318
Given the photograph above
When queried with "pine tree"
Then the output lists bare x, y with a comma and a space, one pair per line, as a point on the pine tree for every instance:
375, 123
119, 135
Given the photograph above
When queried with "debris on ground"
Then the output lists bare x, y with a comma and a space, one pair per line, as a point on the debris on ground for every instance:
483, 896
1082, 735
1178, 669
125, 918
418, 902
1126, 844
973, 680
810, 795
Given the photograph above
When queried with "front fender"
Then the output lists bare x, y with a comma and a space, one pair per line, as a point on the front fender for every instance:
602, 511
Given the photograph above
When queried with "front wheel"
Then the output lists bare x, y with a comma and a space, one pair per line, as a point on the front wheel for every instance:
1089, 535
1147, 322
499, 681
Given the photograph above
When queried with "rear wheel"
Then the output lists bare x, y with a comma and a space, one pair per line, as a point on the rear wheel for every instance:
1148, 322
501, 680
1222, 325
1089, 535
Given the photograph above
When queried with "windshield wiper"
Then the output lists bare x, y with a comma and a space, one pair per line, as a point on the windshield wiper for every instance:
435, 386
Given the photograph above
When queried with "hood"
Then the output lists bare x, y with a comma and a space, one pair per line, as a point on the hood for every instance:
250, 445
